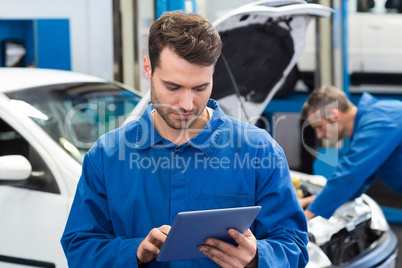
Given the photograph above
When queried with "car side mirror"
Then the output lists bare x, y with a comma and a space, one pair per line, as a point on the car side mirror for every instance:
14, 168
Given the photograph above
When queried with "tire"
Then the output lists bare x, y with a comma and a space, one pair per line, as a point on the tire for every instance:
308, 79
289, 86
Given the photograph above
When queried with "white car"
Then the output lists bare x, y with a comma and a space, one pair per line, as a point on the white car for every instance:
49, 119
373, 47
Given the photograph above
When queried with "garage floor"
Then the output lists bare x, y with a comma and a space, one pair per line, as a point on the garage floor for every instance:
397, 228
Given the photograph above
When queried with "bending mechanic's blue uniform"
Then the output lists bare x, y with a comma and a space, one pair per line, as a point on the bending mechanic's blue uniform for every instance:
133, 180
375, 151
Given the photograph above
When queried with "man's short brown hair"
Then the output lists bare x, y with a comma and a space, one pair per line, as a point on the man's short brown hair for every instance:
190, 36
323, 97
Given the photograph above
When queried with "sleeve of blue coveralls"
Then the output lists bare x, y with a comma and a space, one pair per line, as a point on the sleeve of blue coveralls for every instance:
89, 239
280, 227
373, 142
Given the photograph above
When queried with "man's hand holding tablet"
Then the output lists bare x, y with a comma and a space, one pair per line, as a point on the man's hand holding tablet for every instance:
151, 245
228, 255
222, 235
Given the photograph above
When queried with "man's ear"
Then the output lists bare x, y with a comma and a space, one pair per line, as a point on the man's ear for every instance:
147, 68
335, 115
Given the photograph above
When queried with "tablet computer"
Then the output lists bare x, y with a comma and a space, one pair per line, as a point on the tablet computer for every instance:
191, 229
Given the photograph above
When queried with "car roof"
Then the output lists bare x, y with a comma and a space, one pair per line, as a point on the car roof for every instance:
11, 78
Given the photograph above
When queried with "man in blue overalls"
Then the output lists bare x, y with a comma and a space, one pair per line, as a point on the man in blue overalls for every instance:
375, 129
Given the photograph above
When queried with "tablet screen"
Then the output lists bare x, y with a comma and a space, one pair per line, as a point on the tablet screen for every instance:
191, 229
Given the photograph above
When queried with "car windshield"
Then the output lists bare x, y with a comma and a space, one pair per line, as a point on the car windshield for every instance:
76, 115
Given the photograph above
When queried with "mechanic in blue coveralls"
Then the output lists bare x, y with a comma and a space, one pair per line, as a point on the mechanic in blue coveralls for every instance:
375, 129
183, 154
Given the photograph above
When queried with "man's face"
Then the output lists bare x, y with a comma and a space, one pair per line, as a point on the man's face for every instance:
179, 90
325, 128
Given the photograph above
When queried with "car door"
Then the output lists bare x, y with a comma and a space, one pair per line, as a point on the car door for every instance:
33, 212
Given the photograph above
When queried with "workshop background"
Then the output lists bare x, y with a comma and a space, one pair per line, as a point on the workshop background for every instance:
359, 48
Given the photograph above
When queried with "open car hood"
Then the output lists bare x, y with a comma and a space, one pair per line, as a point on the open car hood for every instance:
261, 44
356, 235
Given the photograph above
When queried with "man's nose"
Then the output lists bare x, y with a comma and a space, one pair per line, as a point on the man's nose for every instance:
319, 134
186, 100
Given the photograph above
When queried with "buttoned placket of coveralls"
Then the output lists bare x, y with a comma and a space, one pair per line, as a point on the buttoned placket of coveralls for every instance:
178, 183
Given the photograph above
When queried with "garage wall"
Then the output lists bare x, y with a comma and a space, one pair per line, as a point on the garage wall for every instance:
91, 29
